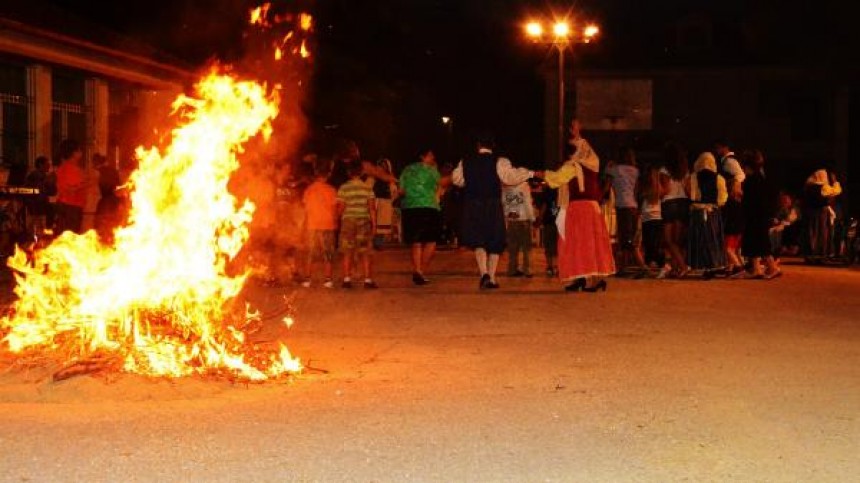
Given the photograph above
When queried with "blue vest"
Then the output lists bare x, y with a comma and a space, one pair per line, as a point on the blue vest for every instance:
482, 179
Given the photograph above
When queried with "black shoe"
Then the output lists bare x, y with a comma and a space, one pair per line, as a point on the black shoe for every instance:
517, 274
485, 282
493, 285
528, 275
346, 284
370, 284
419, 279
600, 286
575, 286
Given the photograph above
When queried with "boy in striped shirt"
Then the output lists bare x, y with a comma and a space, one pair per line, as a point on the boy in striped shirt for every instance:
357, 210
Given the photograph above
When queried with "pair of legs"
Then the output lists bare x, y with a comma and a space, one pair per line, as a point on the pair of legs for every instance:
673, 236
356, 240
422, 254
550, 248
422, 228
733, 257
628, 252
487, 265
366, 264
320, 246
519, 241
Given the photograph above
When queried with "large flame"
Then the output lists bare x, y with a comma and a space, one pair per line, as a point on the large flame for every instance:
161, 296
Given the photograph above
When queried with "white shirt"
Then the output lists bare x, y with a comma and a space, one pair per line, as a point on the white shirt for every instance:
731, 166
676, 188
517, 202
508, 175
650, 212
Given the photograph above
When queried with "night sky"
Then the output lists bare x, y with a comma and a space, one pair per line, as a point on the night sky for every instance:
385, 71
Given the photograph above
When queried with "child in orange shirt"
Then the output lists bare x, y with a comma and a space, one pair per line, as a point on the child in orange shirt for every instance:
320, 200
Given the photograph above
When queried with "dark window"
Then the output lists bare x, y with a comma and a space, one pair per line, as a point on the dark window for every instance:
15, 132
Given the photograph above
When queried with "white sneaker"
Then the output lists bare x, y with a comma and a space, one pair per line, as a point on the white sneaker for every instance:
662, 273
328, 284
306, 284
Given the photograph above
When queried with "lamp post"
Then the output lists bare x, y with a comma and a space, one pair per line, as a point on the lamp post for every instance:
448, 122
562, 37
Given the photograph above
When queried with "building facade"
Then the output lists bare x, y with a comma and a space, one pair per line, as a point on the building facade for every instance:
54, 86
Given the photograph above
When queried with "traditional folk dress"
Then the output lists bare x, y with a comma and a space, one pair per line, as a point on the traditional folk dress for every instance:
818, 214
481, 176
705, 237
584, 248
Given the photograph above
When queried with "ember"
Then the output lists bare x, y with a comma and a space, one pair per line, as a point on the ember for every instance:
160, 299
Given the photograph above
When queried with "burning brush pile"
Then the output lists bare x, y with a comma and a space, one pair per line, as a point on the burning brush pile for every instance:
160, 301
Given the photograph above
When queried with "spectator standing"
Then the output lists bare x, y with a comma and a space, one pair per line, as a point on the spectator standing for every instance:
624, 177
72, 188
357, 213
321, 204
675, 207
422, 219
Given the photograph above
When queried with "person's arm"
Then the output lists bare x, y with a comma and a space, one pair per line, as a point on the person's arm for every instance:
457, 176
341, 204
446, 181
722, 193
559, 177
512, 176
371, 169
371, 207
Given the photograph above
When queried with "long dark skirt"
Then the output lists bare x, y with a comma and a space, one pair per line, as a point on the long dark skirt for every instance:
483, 225
818, 228
756, 239
705, 250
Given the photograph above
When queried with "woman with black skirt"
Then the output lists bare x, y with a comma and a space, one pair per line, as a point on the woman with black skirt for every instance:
707, 194
760, 206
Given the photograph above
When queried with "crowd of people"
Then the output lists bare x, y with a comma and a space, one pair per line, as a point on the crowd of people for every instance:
722, 217
61, 195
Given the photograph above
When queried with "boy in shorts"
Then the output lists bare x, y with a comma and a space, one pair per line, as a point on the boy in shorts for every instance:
321, 205
357, 210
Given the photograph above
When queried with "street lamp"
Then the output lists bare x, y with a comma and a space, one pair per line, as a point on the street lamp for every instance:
563, 36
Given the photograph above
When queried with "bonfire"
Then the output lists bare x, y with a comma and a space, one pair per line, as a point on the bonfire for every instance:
160, 299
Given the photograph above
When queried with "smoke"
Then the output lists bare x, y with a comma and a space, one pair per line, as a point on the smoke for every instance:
278, 51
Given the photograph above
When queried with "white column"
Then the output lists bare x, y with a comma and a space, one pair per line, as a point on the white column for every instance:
39, 90
98, 99
97, 138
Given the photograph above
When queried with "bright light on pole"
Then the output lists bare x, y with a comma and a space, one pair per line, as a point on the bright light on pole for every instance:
561, 30
534, 30
563, 37
590, 32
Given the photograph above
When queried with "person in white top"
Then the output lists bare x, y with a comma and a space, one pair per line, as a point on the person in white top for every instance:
482, 175
520, 216
675, 207
733, 214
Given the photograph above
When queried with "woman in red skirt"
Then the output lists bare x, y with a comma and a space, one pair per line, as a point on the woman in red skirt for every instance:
584, 249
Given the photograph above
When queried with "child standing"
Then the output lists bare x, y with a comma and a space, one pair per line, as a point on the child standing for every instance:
519, 214
652, 221
357, 212
320, 201
547, 212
